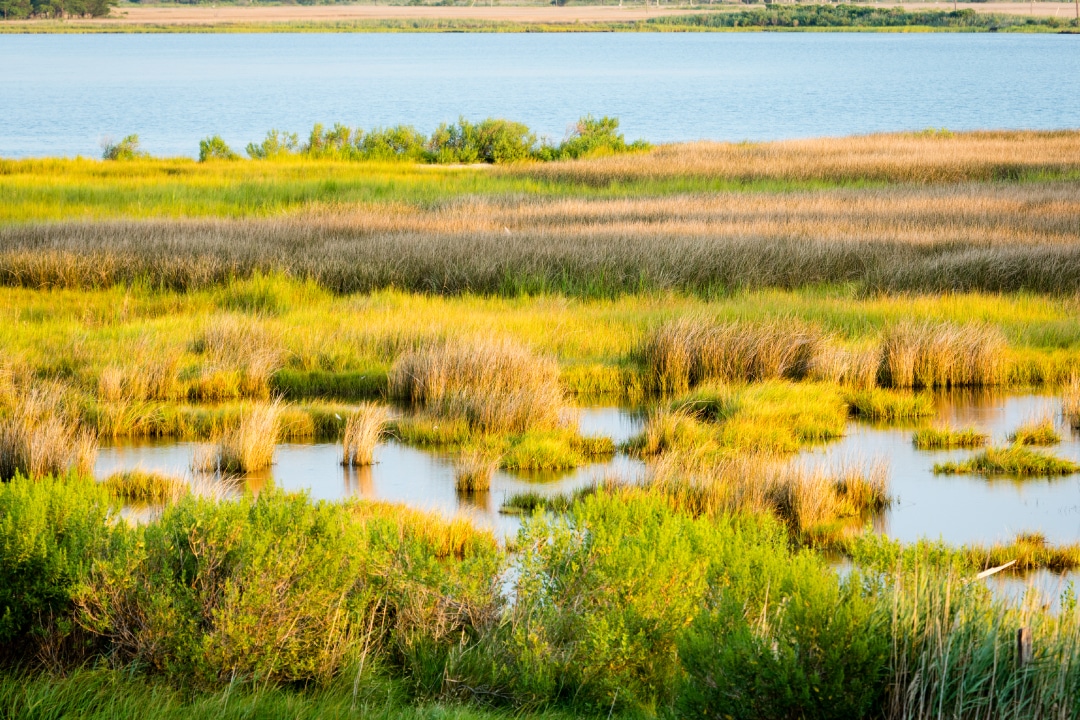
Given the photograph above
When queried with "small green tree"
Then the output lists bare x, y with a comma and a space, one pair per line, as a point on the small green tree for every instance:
214, 148
126, 149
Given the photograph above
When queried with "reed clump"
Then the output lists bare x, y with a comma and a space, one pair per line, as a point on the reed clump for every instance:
141, 486
1070, 403
1036, 432
241, 345
929, 354
247, 446
944, 438
494, 385
1012, 461
684, 353
473, 470
39, 436
363, 431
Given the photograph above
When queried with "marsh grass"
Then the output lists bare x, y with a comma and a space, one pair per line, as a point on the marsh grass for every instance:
1070, 403
363, 431
882, 405
242, 354
1013, 461
943, 438
928, 355
39, 436
141, 486
473, 469
1040, 431
246, 447
494, 385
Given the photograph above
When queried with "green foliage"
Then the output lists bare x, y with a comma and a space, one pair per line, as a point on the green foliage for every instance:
214, 148
944, 438
22, 9
884, 405
592, 137
1014, 461
277, 144
51, 531
490, 141
126, 149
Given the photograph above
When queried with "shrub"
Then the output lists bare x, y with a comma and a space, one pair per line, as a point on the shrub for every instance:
402, 142
126, 149
591, 136
490, 141
276, 145
51, 531
214, 148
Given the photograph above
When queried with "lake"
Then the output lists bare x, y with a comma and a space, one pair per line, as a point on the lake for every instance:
65, 94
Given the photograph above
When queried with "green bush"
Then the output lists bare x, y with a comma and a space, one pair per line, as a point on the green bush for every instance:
51, 531
491, 141
592, 137
126, 149
214, 148
277, 144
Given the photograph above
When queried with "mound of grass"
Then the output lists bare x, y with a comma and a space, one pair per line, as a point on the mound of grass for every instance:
945, 437
141, 486
246, 447
879, 404
363, 431
473, 470
1015, 461
1036, 432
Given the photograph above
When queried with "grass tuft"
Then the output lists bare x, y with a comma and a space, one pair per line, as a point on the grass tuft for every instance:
1013, 461
877, 404
929, 354
40, 437
473, 470
944, 438
246, 447
363, 430
1036, 432
141, 486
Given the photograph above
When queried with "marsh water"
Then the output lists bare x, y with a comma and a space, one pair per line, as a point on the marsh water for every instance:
64, 94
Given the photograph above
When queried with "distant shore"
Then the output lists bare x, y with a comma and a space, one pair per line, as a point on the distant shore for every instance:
129, 17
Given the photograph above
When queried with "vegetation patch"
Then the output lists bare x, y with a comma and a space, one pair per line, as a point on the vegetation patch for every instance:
881, 405
363, 431
1036, 432
141, 486
944, 438
1014, 460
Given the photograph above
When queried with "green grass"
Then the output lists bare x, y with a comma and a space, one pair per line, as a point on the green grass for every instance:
884, 405
140, 486
945, 438
1036, 432
1013, 461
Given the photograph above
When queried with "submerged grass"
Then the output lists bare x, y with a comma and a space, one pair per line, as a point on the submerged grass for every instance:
944, 438
1014, 461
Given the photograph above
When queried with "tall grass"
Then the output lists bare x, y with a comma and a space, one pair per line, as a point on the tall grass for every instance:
495, 385
1070, 403
943, 438
942, 355
140, 486
363, 430
40, 436
473, 469
1036, 432
248, 446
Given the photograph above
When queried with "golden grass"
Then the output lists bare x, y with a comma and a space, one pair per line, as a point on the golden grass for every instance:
900, 157
930, 355
141, 486
1012, 461
943, 438
494, 385
1070, 403
969, 237
1036, 432
247, 446
363, 430
454, 537
473, 469
238, 344
40, 437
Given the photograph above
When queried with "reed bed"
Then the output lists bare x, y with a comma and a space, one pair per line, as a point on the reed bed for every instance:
896, 158
246, 447
141, 486
1036, 432
494, 385
1013, 461
363, 431
925, 354
473, 470
39, 436
944, 438
810, 500
989, 238
238, 344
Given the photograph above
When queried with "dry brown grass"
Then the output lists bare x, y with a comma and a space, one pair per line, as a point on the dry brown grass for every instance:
999, 237
902, 157
689, 351
363, 430
246, 447
495, 385
239, 344
931, 354
40, 437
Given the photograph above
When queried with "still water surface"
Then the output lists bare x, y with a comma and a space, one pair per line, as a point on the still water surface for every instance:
62, 94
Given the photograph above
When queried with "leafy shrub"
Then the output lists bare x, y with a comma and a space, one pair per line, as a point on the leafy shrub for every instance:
277, 144
51, 531
214, 148
126, 149
401, 142
491, 141
591, 137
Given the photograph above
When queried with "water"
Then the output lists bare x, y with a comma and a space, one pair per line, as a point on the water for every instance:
63, 94
968, 508
400, 474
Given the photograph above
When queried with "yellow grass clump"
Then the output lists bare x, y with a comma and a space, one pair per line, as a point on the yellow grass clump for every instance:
473, 470
1036, 432
363, 430
928, 354
239, 344
141, 486
246, 447
495, 385
39, 436
1070, 403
